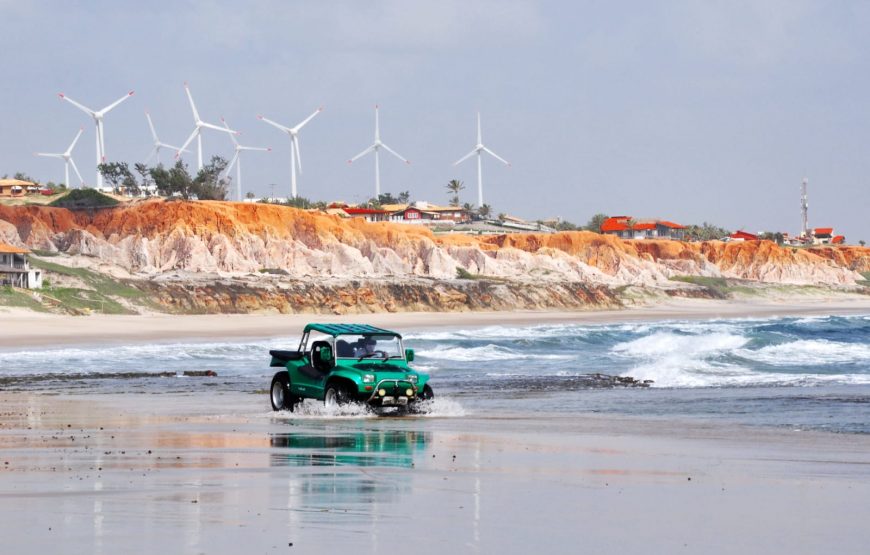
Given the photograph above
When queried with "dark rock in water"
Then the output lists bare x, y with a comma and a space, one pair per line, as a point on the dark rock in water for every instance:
606, 380
200, 373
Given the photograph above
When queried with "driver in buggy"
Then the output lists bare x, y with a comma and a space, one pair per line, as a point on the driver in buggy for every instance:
365, 346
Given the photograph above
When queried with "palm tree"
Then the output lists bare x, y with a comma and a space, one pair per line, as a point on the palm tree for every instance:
454, 186
484, 211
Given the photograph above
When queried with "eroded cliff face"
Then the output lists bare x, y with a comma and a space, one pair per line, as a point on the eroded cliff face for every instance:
157, 238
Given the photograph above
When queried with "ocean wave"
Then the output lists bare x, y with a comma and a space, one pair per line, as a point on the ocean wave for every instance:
487, 353
809, 352
664, 343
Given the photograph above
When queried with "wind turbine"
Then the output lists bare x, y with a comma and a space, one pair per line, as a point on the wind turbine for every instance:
295, 157
158, 144
478, 149
376, 147
67, 158
237, 160
98, 116
197, 130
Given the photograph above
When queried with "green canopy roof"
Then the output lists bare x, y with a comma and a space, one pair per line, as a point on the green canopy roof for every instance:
348, 329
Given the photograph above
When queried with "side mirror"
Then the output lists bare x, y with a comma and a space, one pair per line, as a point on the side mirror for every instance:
409, 355
325, 354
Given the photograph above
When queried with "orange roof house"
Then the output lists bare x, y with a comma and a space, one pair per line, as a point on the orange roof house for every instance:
642, 229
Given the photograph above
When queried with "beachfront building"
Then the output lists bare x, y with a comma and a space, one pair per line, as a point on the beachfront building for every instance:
742, 236
825, 236
368, 214
628, 228
15, 269
16, 187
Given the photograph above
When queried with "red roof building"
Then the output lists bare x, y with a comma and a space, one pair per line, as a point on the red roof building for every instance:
743, 236
643, 229
368, 214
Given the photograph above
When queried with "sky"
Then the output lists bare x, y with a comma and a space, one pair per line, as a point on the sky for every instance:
682, 110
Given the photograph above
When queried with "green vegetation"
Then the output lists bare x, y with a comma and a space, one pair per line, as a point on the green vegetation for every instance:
86, 300
717, 286
705, 232
13, 298
300, 202
454, 186
866, 281
275, 271
101, 283
208, 184
462, 273
84, 198
594, 223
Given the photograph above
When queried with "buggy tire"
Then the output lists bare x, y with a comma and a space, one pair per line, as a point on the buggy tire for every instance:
427, 394
279, 393
336, 394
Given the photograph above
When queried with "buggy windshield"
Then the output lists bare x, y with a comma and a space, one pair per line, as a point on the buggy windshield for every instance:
368, 346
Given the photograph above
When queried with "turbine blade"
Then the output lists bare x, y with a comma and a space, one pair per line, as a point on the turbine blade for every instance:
466, 157
295, 146
84, 109
496, 156
111, 106
479, 134
154, 151
361, 154
233, 136
173, 147
76, 169
394, 153
187, 142
192, 105
102, 140
218, 128
274, 124
151, 125
48, 154
257, 148
232, 163
73, 144
306, 120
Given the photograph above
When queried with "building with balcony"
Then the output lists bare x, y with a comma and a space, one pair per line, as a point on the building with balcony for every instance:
15, 269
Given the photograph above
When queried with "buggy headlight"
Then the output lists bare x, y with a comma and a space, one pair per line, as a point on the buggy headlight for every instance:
369, 378
412, 378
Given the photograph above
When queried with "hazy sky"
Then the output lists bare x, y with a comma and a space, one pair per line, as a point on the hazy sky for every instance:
688, 111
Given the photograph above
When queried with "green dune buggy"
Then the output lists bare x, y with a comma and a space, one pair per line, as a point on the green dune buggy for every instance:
348, 363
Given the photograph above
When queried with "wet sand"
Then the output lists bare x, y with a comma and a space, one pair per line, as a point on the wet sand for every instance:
29, 328
221, 474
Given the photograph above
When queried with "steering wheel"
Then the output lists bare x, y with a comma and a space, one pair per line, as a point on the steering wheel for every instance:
384, 354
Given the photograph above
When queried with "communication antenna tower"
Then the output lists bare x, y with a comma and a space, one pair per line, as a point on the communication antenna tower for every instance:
804, 206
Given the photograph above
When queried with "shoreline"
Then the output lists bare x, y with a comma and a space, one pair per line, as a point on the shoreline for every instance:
208, 472
30, 329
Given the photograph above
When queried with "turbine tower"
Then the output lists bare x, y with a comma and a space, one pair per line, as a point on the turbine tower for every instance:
295, 157
197, 131
478, 149
98, 116
237, 160
376, 147
158, 144
804, 208
67, 158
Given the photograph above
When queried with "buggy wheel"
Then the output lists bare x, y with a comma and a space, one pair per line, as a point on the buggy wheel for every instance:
279, 393
336, 394
427, 394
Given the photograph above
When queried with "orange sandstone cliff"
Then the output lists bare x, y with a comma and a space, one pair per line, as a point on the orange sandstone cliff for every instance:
157, 238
